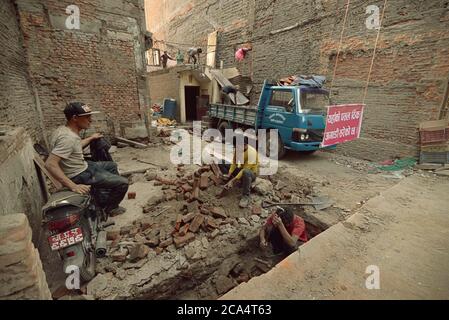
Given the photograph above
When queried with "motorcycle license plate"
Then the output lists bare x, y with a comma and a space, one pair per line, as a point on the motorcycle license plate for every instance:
65, 239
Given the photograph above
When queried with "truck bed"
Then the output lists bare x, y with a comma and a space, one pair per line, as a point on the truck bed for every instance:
240, 114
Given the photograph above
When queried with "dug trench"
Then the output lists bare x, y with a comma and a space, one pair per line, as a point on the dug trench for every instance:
190, 244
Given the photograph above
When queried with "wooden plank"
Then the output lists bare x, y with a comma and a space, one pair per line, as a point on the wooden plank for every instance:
223, 81
132, 143
40, 163
211, 49
445, 102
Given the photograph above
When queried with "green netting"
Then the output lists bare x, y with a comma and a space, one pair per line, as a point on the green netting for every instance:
399, 164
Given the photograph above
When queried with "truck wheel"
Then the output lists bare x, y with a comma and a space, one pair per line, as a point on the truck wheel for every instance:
222, 128
281, 149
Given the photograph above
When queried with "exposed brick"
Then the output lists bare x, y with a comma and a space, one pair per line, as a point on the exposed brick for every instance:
166, 243
184, 229
188, 217
218, 212
204, 182
196, 223
183, 240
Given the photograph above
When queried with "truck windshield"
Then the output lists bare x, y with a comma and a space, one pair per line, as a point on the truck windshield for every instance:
314, 101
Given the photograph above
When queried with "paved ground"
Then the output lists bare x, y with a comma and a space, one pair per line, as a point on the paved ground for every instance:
404, 231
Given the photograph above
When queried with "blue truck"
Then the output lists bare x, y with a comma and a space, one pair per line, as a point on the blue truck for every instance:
297, 112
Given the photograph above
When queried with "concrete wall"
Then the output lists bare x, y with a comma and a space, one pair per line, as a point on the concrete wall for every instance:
408, 77
101, 64
19, 183
22, 276
165, 84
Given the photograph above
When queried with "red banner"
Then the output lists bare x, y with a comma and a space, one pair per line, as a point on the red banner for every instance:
343, 124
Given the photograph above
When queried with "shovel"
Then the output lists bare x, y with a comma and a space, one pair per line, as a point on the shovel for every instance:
319, 203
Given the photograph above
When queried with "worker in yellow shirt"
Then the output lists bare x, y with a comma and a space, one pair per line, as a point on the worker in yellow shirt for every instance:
245, 172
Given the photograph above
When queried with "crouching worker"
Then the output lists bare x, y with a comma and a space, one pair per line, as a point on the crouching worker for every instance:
244, 172
67, 164
284, 230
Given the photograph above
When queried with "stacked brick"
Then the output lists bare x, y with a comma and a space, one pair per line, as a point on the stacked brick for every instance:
21, 273
434, 141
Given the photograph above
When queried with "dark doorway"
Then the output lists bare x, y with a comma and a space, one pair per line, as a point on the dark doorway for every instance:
191, 94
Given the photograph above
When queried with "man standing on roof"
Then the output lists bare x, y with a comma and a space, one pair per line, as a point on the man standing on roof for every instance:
165, 57
194, 53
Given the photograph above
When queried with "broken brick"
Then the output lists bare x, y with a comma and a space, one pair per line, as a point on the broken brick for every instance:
125, 229
157, 183
215, 233
196, 223
218, 212
192, 207
183, 240
166, 243
205, 210
178, 222
211, 223
119, 256
139, 251
184, 229
134, 231
165, 181
170, 195
145, 223
257, 210
215, 180
162, 235
215, 170
204, 182
186, 187
153, 242
189, 217
158, 250
112, 235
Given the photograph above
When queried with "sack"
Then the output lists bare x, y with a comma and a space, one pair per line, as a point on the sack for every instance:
99, 150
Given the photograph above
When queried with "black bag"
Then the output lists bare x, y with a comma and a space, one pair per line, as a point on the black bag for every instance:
99, 150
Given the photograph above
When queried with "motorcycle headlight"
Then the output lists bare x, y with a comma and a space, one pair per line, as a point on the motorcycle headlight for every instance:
303, 137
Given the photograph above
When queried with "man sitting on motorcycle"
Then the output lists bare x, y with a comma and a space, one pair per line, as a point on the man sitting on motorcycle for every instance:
67, 164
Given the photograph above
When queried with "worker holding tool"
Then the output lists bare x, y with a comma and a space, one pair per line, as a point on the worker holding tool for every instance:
244, 173
284, 230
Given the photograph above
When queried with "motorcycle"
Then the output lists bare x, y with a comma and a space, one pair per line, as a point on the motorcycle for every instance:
76, 226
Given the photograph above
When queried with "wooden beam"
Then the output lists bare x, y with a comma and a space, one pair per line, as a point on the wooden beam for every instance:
40, 163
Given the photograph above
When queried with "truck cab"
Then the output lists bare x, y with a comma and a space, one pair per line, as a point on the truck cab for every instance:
297, 112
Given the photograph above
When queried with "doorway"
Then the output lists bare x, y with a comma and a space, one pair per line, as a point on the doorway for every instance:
191, 93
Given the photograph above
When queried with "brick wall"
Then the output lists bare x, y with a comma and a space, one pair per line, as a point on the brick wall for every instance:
22, 276
101, 64
409, 71
18, 105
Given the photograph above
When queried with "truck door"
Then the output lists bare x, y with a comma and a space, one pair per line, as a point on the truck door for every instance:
281, 112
